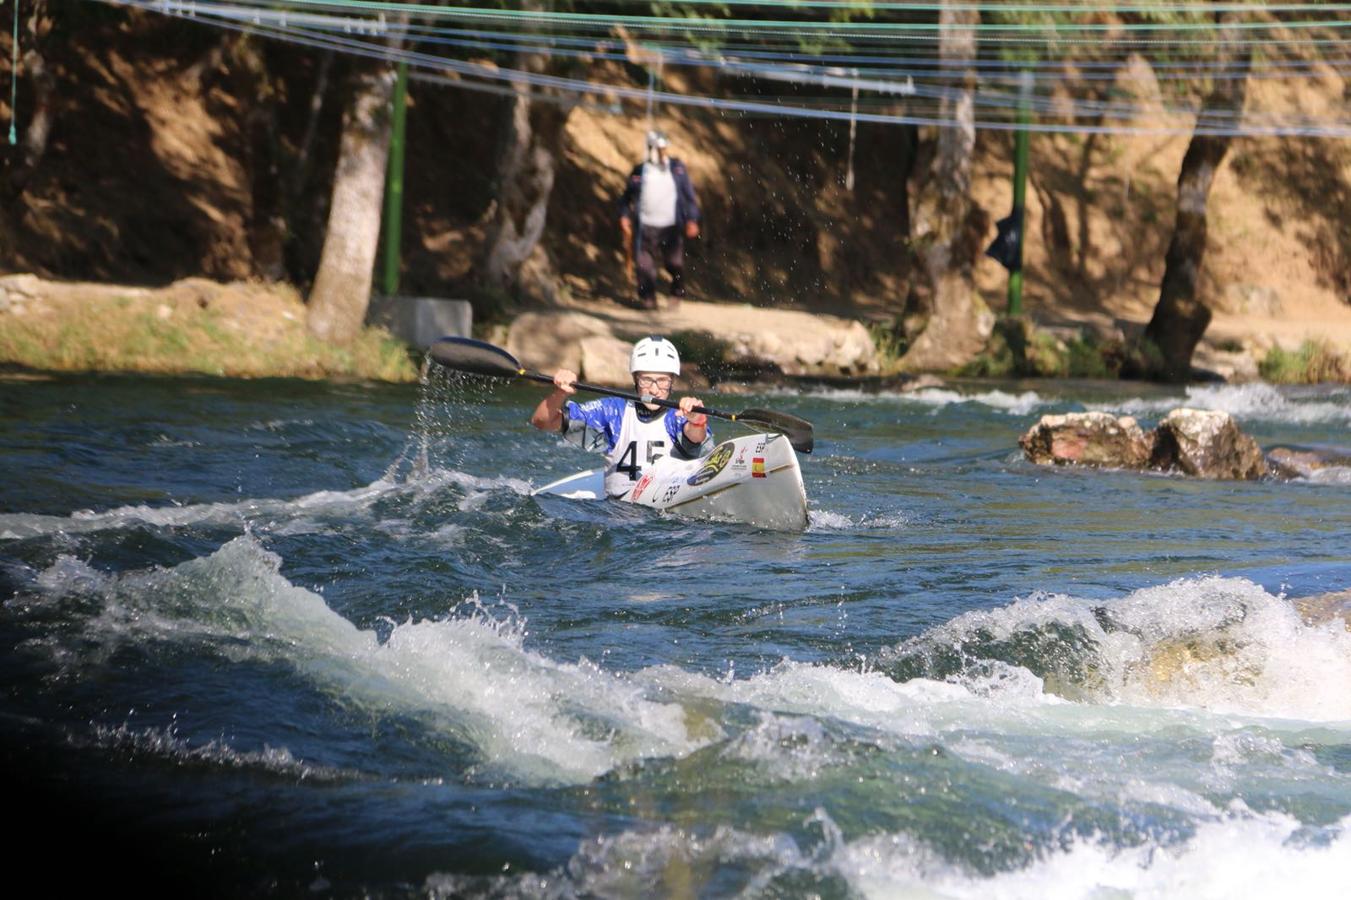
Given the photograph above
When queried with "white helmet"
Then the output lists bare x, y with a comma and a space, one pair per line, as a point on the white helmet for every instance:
654, 354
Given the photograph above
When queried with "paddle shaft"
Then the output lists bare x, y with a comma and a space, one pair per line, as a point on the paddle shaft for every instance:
623, 395
481, 358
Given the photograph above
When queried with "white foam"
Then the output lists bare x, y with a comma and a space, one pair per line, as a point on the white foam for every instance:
938, 398
299, 515
1331, 475
1234, 857
788, 748
1221, 645
826, 520
1256, 401
469, 674
1239, 856
1012, 404
915, 708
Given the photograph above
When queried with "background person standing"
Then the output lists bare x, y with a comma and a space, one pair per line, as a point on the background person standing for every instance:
657, 212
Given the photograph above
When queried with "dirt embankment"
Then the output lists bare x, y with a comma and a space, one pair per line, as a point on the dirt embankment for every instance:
178, 151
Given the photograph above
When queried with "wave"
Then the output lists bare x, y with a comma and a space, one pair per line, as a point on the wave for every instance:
937, 398
1239, 855
1249, 402
287, 516
1002, 401
166, 743
468, 675
1223, 645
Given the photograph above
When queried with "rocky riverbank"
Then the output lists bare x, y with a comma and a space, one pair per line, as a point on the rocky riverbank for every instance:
257, 329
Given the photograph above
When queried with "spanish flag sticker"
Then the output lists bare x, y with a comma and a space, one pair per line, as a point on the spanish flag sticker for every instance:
757, 467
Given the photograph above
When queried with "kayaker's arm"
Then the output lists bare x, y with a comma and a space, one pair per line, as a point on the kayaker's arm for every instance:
549, 415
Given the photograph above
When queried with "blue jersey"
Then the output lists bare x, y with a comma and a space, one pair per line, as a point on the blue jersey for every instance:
630, 441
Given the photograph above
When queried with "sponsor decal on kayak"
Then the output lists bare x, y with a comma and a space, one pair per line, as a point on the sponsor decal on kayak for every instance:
758, 467
717, 461
641, 486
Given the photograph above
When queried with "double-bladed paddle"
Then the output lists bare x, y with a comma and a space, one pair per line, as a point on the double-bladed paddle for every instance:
482, 358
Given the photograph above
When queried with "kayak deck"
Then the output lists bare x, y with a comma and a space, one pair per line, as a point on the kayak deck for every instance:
753, 479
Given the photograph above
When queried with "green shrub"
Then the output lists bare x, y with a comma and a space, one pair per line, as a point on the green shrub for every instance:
1312, 363
890, 342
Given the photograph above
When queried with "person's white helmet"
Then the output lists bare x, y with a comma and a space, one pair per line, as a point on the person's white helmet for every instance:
654, 354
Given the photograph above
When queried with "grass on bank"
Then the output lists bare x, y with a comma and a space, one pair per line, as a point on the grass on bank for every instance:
137, 334
1016, 349
1314, 362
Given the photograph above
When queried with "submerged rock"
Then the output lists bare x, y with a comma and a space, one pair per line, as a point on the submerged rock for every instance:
1323, 608
1287, 462
1201, 443
1207, 443
1090, 438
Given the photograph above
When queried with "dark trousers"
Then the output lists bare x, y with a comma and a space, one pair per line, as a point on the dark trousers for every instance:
668, 244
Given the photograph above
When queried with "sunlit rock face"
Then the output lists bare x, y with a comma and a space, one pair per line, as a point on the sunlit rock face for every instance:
1090, 439
1207, 443
1201, 443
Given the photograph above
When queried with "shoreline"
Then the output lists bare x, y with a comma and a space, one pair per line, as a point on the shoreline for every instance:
257, 330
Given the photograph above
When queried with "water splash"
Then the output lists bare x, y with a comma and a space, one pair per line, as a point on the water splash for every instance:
1239, 855
166, 743
468, 675
1223, 645
287, 516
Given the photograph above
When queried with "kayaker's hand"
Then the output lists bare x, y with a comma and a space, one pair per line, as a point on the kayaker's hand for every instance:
691, 229
687, 405
566, 380
625, 226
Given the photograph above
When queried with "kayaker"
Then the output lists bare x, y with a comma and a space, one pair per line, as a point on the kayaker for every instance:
632, 435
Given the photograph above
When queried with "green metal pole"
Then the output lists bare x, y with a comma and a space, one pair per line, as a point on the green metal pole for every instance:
1020, 192
394, 185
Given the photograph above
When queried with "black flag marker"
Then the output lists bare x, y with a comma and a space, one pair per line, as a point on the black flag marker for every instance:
1007, 247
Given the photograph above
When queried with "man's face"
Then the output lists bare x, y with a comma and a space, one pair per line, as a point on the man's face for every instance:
655, 384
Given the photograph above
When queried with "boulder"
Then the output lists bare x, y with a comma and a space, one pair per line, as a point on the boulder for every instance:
552, 341
1287, 462
1207, 443
1199, 442
605, 360
1324, 608
853, 350
1232, 366
1089, 438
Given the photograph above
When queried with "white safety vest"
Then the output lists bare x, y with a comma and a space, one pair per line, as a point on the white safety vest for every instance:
639, 445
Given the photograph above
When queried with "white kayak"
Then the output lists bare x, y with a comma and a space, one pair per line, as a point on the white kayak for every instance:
753, 479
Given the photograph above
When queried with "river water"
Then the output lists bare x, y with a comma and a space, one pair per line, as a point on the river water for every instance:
279, 638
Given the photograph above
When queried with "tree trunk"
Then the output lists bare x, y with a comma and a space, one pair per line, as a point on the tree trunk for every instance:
948, 226
525, 179
342, 287
1181, 316
42, 115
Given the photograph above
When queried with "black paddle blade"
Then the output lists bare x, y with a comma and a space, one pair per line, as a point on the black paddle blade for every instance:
475, 357
798, 431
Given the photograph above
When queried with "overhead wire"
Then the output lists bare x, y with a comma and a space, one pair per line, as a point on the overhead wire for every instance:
995, 102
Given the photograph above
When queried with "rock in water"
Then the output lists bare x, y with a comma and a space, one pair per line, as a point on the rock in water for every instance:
1288, 462
1207, 443
1090, 438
